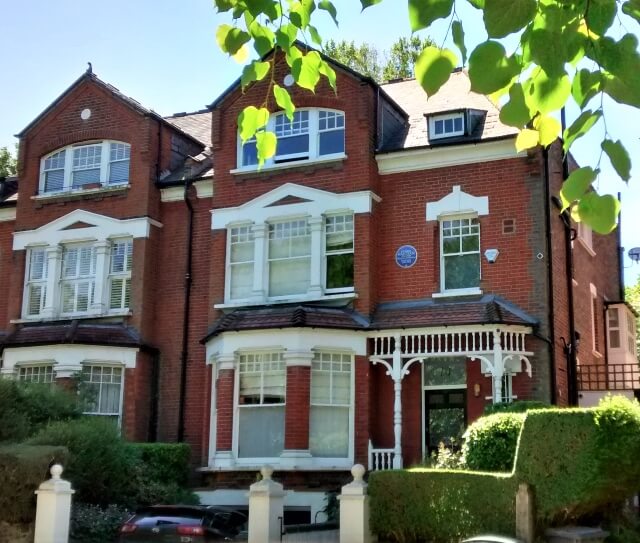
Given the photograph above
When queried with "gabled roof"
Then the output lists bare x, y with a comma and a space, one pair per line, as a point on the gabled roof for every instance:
89, 76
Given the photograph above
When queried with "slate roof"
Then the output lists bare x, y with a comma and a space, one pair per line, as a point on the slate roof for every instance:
193, 168
455, 94
488, 309
73, 332
197, 124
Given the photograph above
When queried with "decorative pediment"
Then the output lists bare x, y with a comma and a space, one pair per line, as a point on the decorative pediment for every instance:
80, 225
457, 203
290, 200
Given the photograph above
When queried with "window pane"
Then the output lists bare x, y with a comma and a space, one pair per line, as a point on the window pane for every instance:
56, 161
289, 276
36, 299
119, 172
462, 271
241, 281
329, 431
292, 145
37, 268
470, 243
614, 339
119, 151
340, 271
261, 432
249, 153
332, 142
445, 371
299, 125
457, 124
53, 180
84, 177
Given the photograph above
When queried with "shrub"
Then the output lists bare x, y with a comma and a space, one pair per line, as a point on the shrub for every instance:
25, 408
440, 505
100, 463
520, 406
490, 442
22, 469
94, 524
446, 458
165, 462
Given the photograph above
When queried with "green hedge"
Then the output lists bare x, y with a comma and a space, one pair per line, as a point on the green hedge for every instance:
519, 406
440, 505
22, 469
165, 462
579, 462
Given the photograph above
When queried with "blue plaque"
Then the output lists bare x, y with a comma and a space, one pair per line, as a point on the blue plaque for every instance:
406, 256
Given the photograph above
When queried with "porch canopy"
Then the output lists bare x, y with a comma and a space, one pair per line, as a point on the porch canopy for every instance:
487, 329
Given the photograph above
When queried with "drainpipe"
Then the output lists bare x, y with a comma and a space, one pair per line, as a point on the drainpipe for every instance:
620, 253
551, 343
572, 365
184, 355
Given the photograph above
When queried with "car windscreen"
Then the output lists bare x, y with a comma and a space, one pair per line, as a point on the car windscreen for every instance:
155, 520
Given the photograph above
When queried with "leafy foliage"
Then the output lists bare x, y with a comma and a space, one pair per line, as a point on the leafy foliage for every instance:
95, 524
520, 406
8, 163
563, 50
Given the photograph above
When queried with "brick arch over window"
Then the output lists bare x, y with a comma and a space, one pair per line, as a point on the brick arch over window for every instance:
80, 136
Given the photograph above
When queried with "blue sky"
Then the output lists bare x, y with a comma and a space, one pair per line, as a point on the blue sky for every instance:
163, 54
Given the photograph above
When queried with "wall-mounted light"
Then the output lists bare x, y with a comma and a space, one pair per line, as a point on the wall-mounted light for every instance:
491, 255
476, 390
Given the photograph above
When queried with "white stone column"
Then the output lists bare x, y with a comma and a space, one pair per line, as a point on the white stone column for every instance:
266, 509
53, 509
498, 367
259, 292
354, 509
53, 254
397, 402
316, 283
101, 288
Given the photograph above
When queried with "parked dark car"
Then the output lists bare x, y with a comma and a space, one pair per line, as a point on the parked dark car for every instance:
182, 524
491, 539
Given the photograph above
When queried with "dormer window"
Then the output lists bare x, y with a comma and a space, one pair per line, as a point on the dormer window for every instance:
86, 165
446, 126
313, 134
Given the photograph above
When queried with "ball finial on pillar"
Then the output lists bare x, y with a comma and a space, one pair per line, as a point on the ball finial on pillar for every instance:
358, 472
267, 472
56, 471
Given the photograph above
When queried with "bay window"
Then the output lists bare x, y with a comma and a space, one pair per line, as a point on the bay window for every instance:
330, 412
78, 278
261, 404
289, 258
86, 165
460, 253
101, 390
312, 134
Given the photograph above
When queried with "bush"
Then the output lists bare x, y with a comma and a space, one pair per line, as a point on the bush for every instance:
440, 505
100, 463
25, 408
22, 469
446, 458
94, 524
490, 442
165, 462
520, 406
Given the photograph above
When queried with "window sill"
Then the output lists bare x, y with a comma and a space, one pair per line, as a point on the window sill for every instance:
80, 193
289, 165
586, 246
457, 292
124, 313
295, 299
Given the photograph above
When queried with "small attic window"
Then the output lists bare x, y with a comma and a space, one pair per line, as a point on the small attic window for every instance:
446, 126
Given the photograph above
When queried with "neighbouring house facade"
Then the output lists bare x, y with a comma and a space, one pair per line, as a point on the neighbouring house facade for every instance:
393, 269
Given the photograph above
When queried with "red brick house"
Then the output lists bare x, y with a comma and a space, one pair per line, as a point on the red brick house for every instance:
396, 267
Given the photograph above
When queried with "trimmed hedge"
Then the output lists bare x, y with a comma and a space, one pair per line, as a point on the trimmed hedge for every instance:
490, 442
519, 406
165, 462
22, 469
440, 505
580, 462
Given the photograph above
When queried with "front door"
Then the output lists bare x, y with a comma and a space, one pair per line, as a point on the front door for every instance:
445, 402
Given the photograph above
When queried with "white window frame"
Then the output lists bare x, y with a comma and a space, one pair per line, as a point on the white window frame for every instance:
269, 260
329, 461
54, 281
105, 165
247, 460
622, 344
26, 372
124, 275
313, 154
445, 117
327, 253
76, 280
103, 365
585, 237
458, 291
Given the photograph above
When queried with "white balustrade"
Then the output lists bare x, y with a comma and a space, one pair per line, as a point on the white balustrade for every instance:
380, 458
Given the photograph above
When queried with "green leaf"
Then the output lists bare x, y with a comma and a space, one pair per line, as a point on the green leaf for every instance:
516, 112
619, 158
600, 14
458, 39
265, 145
329, 73
623, 91
548, 49
283, 99
300, 12
315, 35
306, 70
254, 72
367, 3
585, 86
632, 9
326, 5
423, 12
548, 127
490, 69
527, 139
580, 127
434, 67
231, 39
479, 4
250, 120
503, 17
599, 212
263, 38
285, 36
547, 93
576, 185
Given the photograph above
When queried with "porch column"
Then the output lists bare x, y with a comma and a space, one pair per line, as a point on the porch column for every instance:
100, 291
498, 367
53, 255
396, 375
